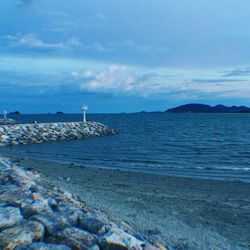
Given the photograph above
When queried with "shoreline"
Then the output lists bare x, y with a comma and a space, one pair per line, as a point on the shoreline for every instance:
174, 211
243, 178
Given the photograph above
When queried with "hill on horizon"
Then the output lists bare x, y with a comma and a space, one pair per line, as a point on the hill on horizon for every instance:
204, 108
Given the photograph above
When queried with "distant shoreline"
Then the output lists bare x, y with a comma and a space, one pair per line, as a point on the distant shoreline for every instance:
186, 108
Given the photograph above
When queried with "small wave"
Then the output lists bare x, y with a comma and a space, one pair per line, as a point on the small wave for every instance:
142, 162
233, 168
85, 159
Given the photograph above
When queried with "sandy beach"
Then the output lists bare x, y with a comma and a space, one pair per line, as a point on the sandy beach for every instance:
180, 213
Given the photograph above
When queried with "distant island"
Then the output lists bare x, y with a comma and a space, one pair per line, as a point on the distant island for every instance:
203, 108
15, 113
59, 113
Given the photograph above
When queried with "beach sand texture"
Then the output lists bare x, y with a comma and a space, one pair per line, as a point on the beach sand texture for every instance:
180, 213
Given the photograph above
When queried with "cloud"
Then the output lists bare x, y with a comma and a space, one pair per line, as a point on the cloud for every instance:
50, 74
119, 80
238, 72
74, 42
152, 35
114, 78
31, 41
219, 90
217, 80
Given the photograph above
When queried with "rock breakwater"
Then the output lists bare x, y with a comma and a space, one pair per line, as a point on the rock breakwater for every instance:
48, 132
35, 214
7, 121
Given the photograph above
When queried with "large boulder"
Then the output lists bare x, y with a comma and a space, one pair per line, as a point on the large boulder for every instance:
9, 216
57, 221
15, 196
117, 239
77, 239
25, 233
95, 222
36, 207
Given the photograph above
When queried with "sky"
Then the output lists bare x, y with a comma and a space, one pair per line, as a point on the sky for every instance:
123, 56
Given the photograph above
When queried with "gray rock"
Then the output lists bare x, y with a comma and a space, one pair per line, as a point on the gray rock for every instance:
94, 247
94, 222
78, 239
58, 221
117, 239
53, 203
36, 207
14, 195
52, 224
72, 211
9, 216
25, 233
21, 178
37, 196
155, 247
45, 246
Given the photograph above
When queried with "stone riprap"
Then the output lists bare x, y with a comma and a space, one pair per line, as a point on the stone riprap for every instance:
7, 121
48, 132
35, 214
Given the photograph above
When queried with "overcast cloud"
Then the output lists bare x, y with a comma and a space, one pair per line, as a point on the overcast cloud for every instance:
150, 54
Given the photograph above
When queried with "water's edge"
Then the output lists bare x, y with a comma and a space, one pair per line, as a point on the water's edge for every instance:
209, 146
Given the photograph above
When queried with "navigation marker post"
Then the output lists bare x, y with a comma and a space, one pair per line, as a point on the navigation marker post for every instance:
84, 109
5, 115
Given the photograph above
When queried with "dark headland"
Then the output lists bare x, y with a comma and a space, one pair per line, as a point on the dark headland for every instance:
203, 108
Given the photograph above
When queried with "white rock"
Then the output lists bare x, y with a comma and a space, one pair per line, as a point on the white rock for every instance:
120, 240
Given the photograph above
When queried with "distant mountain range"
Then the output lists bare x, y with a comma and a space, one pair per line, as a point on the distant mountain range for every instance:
203, 108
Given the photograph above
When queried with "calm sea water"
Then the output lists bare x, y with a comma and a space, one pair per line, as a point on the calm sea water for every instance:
213, 146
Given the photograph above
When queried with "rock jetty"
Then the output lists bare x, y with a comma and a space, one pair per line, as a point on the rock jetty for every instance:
48, 132
7, 121
35, 214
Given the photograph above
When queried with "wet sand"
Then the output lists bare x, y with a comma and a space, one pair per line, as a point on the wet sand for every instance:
180, 213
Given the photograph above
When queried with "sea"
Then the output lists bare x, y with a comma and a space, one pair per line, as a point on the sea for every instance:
195, 145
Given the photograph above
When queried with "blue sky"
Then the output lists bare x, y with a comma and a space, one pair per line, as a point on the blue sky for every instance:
123, 56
